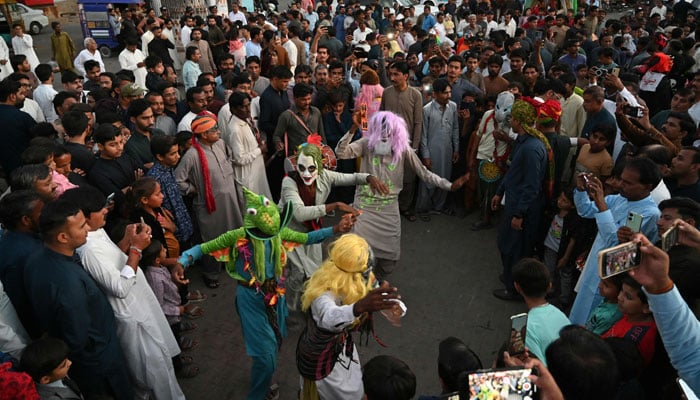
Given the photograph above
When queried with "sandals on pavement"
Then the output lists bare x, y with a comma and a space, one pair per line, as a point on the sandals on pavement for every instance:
196, 296
187, 343
193, 312
186, 326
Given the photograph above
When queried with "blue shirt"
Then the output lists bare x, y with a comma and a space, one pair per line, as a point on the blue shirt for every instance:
428, 22
252, 49
543, 326
339, 25
680, 332
573, 62
172, 199
609, 222
602, 117
522, 184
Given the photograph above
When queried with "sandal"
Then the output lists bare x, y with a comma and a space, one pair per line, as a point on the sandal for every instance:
211, 283
196, 297
186, 360
193, 312
273, 393
189, 371
411, 217
186, 326
187, 343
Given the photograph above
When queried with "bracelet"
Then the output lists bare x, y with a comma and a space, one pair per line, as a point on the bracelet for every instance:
667, 288
136, 249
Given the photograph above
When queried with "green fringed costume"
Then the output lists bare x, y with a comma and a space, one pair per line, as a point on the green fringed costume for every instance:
255, 255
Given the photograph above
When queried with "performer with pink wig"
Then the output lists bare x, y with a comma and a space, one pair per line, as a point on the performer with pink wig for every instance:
386, 151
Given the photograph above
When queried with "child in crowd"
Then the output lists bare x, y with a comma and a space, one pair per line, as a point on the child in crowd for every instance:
42, 152
637, 322
607, 313
594, 157
544, 321
166, 292
552, 242
63, 160
46, 361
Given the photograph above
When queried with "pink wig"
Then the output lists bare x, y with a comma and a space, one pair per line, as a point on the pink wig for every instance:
371, 95
385, 125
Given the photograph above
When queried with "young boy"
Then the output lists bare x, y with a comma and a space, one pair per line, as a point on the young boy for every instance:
46, 361
552, 242
166, 292
594, 157
606, 314
637, 322
544, 321
155, 68
114, 171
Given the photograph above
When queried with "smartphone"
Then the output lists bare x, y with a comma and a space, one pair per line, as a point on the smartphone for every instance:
670, 238
538, 36
687, 392
619, 259
364, 125
390, 36
518, 327
634, 112
616, 71
586, 179
140, 226
511, 384
634, 221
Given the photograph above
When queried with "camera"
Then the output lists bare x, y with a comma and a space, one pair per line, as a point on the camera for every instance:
600, 72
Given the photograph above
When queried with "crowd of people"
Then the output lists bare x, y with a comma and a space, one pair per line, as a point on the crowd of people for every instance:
567, 130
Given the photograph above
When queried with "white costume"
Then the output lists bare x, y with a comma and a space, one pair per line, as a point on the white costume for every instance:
144, 333
25, 45
5, 70
129, 60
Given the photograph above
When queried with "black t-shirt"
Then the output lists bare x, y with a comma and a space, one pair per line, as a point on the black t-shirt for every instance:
81, 157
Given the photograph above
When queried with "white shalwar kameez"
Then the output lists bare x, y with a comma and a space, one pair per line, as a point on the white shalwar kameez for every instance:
5, 70
145, 336
25, 45
130, 61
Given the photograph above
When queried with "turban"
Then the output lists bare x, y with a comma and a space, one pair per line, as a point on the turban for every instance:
549, 111
203, 122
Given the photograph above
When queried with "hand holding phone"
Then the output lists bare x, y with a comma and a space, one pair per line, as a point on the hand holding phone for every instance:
518, 328
619, 259
669, 238
634, 222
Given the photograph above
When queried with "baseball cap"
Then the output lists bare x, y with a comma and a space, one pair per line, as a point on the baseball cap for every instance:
132, 90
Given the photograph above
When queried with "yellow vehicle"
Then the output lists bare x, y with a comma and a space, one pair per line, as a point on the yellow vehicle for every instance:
9, 14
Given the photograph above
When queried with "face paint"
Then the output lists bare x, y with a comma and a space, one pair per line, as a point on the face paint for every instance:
307, 169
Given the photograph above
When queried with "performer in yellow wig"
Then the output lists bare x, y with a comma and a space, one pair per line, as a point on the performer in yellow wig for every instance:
340, 298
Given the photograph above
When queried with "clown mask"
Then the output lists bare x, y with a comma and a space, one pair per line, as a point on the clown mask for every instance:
307, 169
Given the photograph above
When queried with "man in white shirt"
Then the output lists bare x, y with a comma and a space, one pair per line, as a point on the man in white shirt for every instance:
24, 44
508, 24
132, 58
490, 23
236, 14
45, 93
360, 34
291, 51
186, 31
89, 53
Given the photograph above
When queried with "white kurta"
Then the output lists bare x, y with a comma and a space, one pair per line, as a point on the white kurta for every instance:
168, 33
345, 380
144, 333
248, 162
5, 70
85, 55
130, 61
13, 337
25, 45
33, 108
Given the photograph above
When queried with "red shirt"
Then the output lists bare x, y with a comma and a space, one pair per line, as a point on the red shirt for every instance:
643, 334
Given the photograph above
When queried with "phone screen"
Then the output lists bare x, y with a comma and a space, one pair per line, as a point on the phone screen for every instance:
518, 328
363, 117
514, 384
619, 259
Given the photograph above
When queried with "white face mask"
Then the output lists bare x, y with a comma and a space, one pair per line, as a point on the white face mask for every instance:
382, 148
306, 167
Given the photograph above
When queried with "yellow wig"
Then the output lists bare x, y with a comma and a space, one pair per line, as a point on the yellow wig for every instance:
341, 273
